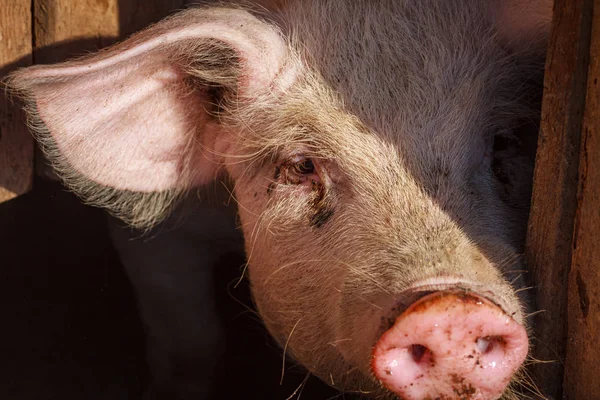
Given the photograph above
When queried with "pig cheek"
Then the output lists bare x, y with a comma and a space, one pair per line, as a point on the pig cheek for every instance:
264, 219
294, 291
300, 308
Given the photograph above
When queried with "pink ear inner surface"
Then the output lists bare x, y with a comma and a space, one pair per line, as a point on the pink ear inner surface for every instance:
131, 119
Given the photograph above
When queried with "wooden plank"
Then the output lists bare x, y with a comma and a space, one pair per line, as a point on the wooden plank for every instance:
65, 28
582, 370
550, 230
16, 144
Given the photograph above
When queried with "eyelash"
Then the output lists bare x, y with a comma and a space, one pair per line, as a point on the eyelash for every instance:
304, 167
297, 170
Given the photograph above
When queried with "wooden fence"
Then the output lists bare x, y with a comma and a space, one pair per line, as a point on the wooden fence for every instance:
563, 245
563, 241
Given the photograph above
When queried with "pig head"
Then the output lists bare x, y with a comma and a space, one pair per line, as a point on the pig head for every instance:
382, 184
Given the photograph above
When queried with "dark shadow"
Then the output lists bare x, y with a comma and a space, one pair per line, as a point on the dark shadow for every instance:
70, 329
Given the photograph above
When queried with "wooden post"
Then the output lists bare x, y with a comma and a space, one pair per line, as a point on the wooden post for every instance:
582, 370
16, 144
553, 207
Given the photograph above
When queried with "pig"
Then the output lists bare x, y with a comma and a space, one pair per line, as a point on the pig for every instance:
377, 159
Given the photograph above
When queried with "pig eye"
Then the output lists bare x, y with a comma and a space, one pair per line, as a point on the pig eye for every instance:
304, 167
297, 170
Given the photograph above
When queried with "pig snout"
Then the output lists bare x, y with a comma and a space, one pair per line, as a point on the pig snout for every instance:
450, 345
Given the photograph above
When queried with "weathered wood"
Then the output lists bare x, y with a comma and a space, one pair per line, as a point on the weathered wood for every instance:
16, 145
582, 370
65, 28
549, 237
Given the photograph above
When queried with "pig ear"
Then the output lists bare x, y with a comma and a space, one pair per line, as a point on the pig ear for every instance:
141, 116
523, 25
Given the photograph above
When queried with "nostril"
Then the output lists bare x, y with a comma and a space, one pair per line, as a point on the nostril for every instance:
483, 345
417, 352
487, 344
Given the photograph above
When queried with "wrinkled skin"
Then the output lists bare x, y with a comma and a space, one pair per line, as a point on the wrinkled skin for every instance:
373, 147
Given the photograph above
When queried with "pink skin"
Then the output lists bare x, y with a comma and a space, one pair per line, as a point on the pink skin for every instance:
129, 100
450, 345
